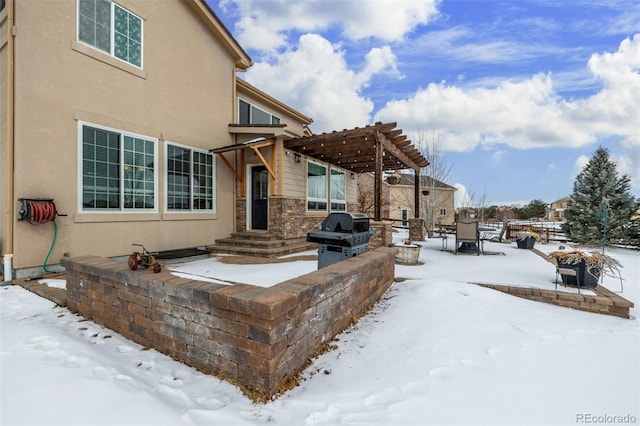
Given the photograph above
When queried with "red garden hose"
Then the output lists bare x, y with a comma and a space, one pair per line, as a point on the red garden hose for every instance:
37, 211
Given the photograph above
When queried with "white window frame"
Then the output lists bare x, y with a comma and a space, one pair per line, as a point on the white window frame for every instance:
122, 209
251, 107
316, 200
337, 201
191, 210
112, 31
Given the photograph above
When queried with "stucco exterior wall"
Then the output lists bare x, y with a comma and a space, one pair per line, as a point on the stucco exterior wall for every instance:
182, 95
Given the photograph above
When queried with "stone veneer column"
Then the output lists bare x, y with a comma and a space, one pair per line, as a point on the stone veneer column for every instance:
416, 229
383, 236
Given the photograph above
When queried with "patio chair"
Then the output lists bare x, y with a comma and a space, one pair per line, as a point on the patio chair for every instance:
467, 234
569, 271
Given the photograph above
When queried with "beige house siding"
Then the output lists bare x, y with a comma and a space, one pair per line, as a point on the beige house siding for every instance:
180, 95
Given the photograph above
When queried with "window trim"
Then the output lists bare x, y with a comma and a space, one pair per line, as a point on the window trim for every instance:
309, 199
328, 200
252, 105
191, 210
111, 53
335, 200
80, 184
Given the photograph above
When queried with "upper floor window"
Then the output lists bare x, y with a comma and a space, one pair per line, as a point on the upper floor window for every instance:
251, 114
190, 183
109, 27
118, 170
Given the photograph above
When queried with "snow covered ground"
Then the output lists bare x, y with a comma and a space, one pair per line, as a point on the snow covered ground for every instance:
436, 350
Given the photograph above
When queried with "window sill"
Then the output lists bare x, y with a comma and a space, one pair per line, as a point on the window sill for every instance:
107, 59
317, 213
97, 217
189, 216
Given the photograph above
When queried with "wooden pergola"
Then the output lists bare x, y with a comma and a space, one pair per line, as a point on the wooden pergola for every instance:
371, 149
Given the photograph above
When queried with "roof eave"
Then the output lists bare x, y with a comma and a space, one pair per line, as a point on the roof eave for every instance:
209, 18
273, 102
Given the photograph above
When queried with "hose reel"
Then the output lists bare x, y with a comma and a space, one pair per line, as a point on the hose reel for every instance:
37, 211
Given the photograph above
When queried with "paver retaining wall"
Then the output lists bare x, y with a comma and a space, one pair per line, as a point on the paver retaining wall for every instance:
604, 302
259, 338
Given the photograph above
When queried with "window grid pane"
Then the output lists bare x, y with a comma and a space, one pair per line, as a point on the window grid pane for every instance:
94, 23
99, 171
178, 173
139, 174
127, 36
202, 181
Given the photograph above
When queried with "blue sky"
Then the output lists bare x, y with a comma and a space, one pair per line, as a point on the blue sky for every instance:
518, 94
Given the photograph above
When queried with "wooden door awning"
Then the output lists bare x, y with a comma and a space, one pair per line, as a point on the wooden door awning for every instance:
355, 149
254, 145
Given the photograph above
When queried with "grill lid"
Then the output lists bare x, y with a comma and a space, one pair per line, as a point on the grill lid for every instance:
346, 222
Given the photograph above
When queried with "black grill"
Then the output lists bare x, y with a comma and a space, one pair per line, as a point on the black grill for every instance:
342, 235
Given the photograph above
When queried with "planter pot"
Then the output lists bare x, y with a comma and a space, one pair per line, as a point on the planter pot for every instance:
526, 243
407, 254
588, 276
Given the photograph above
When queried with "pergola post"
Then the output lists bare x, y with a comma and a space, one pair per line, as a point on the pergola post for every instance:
377, 187
416, 193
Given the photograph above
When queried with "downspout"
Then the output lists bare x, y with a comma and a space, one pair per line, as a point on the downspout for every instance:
234, 119
8, 236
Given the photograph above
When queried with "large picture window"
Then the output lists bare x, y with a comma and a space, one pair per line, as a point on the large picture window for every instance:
251, 114
190, 179
118, 170
316, 187
112, 29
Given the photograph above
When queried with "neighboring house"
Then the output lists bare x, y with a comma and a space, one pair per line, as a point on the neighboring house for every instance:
555, 210
436, 199
129, 114
112, 108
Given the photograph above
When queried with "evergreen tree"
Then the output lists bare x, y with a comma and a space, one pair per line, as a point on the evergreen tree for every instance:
599, 179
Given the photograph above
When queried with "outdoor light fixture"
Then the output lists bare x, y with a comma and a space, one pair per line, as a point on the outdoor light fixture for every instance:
297, 157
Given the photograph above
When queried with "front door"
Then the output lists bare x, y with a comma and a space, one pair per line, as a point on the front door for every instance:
259, 197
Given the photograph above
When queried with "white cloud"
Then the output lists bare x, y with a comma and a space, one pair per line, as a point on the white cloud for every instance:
265, 24
530, 113
316, 79
580, 163
498, 156
461, 197
629, 164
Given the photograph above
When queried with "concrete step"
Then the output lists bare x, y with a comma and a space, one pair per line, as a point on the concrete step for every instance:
262, 251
